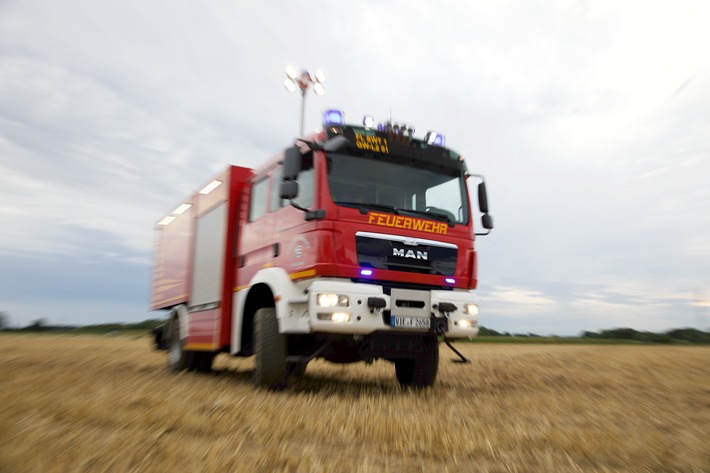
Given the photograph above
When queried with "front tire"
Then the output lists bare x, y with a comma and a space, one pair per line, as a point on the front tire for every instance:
420, 371
270, 350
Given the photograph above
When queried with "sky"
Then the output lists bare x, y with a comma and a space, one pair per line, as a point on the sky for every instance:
588, 118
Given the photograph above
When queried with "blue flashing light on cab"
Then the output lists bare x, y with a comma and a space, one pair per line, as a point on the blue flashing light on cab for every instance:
434, 138
333, 117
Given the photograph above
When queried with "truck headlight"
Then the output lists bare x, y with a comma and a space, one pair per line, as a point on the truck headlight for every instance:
466, 323
470, 309
335, 317
332, 300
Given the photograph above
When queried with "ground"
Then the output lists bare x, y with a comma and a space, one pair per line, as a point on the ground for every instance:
108, 403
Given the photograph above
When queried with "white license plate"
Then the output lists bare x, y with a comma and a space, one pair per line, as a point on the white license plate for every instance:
410, 322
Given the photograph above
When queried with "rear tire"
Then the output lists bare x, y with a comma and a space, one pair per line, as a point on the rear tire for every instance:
270, 350
179, 359
203, 361
419, 372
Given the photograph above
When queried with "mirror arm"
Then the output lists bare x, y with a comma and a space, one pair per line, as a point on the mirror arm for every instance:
312, 146
310, 214
295, 205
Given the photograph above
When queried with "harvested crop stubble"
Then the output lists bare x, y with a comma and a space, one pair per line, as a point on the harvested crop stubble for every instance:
88, 403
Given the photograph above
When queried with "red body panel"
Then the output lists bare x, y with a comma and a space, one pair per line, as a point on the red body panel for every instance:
171, 267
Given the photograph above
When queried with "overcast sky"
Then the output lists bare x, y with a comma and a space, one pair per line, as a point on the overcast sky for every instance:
590, 120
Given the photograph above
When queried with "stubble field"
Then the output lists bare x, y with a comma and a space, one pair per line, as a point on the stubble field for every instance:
91, 403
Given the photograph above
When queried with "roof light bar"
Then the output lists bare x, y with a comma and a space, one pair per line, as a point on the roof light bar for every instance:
395, 128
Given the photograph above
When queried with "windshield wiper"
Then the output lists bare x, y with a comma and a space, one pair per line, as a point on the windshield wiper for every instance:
370, 205
434, 215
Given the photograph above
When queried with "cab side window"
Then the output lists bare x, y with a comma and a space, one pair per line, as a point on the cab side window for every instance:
306, 182
258, 200
276, 201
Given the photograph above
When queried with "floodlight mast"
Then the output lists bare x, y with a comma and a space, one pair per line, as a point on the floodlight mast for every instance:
303, 81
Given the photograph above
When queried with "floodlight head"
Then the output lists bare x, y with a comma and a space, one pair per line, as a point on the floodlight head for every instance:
368, 121
318, 88
290, 85
291, 72
320, 76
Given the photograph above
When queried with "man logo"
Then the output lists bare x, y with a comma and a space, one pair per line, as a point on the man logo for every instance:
410, 254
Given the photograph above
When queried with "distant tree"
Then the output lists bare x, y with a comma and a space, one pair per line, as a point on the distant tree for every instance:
4, 320
483, 331
37, 325
620, 334
689, 335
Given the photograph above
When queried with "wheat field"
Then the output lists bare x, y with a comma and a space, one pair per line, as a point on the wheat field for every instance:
102, 403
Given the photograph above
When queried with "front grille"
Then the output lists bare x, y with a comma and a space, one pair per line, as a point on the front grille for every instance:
396, 255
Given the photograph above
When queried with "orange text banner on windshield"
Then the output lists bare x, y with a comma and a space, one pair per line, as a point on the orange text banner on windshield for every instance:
410, 223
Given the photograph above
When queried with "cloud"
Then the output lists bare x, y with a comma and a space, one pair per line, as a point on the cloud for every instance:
518, 301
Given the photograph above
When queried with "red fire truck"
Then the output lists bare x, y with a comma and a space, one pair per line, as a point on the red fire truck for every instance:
354, 244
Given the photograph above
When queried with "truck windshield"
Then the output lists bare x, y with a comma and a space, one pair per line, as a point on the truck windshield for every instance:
376, 184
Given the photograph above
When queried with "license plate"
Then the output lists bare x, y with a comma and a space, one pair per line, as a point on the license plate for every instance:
410, 322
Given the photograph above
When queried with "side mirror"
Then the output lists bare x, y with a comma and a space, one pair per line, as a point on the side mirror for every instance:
487, 222
288, 190
483, 199
292, 163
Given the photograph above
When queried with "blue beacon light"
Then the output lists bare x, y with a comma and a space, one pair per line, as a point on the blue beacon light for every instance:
434, 138
450, 280
332, 117
365, 272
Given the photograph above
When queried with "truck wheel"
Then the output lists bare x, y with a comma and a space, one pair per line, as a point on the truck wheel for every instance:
203, 361
270, 350
419, 372
296, 369
178, 358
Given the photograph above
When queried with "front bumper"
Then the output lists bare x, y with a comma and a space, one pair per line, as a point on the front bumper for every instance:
356, 308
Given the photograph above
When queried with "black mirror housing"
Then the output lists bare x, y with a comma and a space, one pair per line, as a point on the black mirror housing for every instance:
288, 190
487, 222
483, 198
292, 163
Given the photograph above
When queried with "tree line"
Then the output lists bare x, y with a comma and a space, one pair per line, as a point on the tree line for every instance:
674, 336
677, 336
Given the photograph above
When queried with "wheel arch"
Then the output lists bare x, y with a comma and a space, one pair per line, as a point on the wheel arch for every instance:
260, 295
179, 314
270, 287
